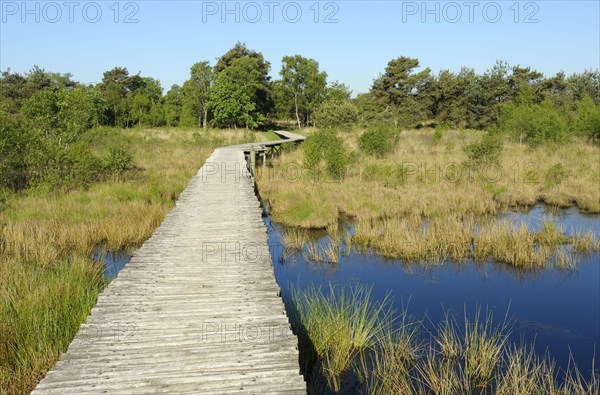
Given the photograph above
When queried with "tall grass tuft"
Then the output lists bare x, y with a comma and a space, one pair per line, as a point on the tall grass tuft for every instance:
351, 343
338, 327
295, 238
482, 349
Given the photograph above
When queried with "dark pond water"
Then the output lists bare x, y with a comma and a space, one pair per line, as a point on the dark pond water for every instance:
557, 310
113, 261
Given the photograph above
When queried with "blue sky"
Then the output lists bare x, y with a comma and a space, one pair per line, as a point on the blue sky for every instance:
167, 37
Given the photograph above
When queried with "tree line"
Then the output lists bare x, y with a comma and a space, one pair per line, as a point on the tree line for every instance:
45, 115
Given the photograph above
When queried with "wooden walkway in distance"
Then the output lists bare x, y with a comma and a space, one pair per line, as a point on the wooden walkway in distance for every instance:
196, 310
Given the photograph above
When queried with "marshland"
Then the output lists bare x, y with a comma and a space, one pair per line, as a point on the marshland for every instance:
438, 234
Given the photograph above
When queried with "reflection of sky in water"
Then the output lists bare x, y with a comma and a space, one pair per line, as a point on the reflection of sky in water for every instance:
570, 219
113, 261
559, 309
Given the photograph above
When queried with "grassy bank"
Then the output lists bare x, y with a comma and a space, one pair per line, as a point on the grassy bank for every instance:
350, 343
48, 283
425, 200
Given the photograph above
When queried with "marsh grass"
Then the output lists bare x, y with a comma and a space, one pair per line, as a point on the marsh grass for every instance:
482, 349
435, 181
348, 338
48, 282
458, 238
338, 328
442, 208
294, 238
585, 242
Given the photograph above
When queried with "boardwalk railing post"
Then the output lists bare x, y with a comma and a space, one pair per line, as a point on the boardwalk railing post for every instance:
252, 159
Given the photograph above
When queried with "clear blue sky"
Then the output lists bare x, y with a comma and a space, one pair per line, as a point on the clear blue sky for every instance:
169, 36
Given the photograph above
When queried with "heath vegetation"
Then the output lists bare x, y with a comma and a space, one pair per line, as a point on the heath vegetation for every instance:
424, 163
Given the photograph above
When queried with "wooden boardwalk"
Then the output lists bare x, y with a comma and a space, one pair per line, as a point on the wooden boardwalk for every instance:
197, 309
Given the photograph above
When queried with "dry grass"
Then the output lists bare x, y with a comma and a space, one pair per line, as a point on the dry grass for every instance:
294, 238
48, 282
436, 182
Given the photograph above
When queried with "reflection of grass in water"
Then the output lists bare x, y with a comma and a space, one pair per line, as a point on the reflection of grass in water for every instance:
348, 336
451, 238
294, 238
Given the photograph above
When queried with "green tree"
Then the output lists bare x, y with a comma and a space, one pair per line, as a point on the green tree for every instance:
231, 106
305, 85
119, 90
260, 84
173, 106
451, 98
406, 91
587, 118
373, 109
588, 82
488, 93
196, 92
334, 113
338, 91
235, 96
524, 79
13, 147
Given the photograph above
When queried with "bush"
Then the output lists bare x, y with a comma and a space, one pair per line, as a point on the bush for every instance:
335, 114
437, 136
378, 140
486, 151
556, 174
13, 143
80, 167
587, 121
325, 145
118, 161
536, 124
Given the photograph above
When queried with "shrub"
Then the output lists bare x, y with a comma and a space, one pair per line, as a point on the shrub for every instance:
486, 151
325, 145
335, 114
587, 119
13, 142
80, 167
556, 174
437, 136
118, 161
377, 140
536, 124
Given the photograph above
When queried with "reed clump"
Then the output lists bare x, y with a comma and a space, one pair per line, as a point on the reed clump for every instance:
458, 238
350, 342
337, 330
295, 238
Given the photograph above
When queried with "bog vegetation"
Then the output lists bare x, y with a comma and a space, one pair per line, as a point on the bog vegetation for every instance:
350, 342
83, 165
